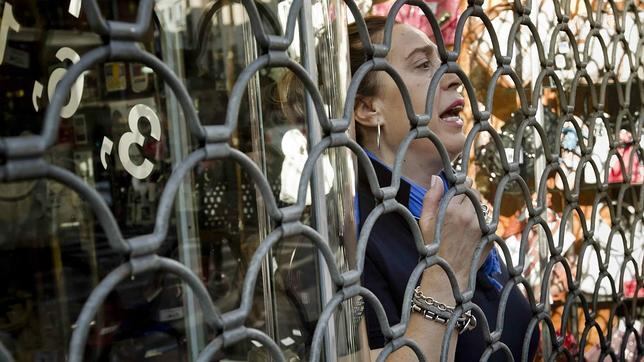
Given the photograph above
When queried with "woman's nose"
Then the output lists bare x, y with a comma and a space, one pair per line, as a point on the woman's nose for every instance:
450, 81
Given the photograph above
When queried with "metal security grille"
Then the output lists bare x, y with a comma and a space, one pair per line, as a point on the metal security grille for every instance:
23, 160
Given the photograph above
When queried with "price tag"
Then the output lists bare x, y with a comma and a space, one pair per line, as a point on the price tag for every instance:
74, 8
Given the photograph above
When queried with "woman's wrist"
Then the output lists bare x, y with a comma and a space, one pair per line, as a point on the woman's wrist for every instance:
435, 283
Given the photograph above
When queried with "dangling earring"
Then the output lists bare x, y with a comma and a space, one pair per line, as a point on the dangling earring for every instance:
378, 137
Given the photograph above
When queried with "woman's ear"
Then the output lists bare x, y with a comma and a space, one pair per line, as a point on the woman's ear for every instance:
366, 112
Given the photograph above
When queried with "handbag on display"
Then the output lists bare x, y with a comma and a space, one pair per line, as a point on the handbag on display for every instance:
571, 152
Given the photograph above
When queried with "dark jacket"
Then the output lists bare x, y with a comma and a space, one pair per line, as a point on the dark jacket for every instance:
390, 258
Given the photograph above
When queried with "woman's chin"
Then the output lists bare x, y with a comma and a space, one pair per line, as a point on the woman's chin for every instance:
454, 149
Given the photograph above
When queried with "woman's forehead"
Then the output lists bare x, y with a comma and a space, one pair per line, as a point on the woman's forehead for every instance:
406, 39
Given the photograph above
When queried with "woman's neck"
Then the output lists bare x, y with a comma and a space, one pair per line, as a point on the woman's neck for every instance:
420, 170
416, 168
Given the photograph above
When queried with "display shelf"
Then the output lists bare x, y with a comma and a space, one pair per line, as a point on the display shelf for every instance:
607, 303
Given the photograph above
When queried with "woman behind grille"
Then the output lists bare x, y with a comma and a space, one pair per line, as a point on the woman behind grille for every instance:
391, 255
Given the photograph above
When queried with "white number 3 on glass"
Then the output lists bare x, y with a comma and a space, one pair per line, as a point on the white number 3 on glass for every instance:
135, 137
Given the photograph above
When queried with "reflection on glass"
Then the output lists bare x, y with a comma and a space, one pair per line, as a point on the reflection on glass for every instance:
273, 131
53, 251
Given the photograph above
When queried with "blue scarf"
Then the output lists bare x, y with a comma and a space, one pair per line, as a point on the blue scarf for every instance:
492, 264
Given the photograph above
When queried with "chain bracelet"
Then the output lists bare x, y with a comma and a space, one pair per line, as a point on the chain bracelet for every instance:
434, 310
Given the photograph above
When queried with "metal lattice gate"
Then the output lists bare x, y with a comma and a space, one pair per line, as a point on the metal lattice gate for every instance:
23, 159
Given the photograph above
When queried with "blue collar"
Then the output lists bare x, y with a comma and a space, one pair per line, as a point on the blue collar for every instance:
491, 266
416, 192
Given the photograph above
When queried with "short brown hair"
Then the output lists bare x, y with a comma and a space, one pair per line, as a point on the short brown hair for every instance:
376, 28
290, 92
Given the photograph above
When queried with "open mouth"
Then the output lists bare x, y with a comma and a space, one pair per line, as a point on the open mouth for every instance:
452, 113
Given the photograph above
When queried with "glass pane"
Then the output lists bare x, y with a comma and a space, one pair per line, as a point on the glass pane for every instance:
273, 131
114, 135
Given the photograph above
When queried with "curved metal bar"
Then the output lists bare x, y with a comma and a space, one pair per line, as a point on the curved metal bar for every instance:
101, 210
130, 52
396, 344
495, 347
594, 33
51, 122
248, 287
234, 102
273, 348
205, 25
95, 17
100, 292
162, 221
211, 349
477, 11
493, 84
211, 313
260, 182
322, 325
98, 295
581, 74
538, 87
248, 333
525, 21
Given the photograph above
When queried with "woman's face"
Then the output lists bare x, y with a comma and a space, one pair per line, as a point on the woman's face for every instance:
415, 58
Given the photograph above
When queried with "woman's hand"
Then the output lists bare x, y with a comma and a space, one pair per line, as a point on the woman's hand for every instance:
460, 229
460, 235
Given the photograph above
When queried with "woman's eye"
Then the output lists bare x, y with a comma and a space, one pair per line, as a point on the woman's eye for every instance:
425, 65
